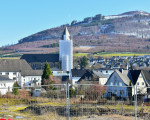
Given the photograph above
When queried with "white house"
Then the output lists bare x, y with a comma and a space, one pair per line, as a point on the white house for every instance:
76, 74
117, 84
105, 71
66, 51
102, 77
31, 78
141, 79
6, 84
20, 71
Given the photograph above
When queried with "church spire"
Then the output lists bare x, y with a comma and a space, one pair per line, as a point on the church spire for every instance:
66, 34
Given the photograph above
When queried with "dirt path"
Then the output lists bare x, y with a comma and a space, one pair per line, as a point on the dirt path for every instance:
110, 117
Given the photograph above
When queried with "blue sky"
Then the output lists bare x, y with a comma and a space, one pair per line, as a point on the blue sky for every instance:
21, 18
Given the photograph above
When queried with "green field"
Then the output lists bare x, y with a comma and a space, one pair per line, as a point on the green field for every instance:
98, 54
80, 54
110, 54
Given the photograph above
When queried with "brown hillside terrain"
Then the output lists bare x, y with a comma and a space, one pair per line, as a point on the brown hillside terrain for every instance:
128, 32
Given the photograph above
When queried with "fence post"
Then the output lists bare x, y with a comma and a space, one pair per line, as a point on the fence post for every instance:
135, 100
67, 102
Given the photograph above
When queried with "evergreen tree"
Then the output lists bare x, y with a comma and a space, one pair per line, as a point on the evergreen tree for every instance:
47, 77
47, 72
83, 62
15, 89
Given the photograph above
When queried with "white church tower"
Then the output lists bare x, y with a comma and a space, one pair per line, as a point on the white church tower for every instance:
66, 51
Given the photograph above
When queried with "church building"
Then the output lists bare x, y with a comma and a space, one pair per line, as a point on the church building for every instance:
57, 62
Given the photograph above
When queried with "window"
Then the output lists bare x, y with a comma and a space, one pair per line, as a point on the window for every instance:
14, 73
142, 83
111, 83
121, 92
115, 91
106, 71
7, 73
120, 84
14, 78
76, 82
0, 73
137, 83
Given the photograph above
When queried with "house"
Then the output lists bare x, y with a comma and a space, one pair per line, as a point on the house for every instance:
76, 74
6, 84
102, 77
141, 79
117, 84
30, 78
20, 71
88, 78
106, 71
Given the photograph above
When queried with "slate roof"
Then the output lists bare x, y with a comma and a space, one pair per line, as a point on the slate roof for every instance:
133, 75
124, 76
41, 57
32, 72
88, 74
78, 72
13, 65
100, 74
146, 75
66, 32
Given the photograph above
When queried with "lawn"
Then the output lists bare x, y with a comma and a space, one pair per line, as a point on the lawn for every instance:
109, 54
80, 54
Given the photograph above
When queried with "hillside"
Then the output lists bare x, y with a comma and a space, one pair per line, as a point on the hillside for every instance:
127, 32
